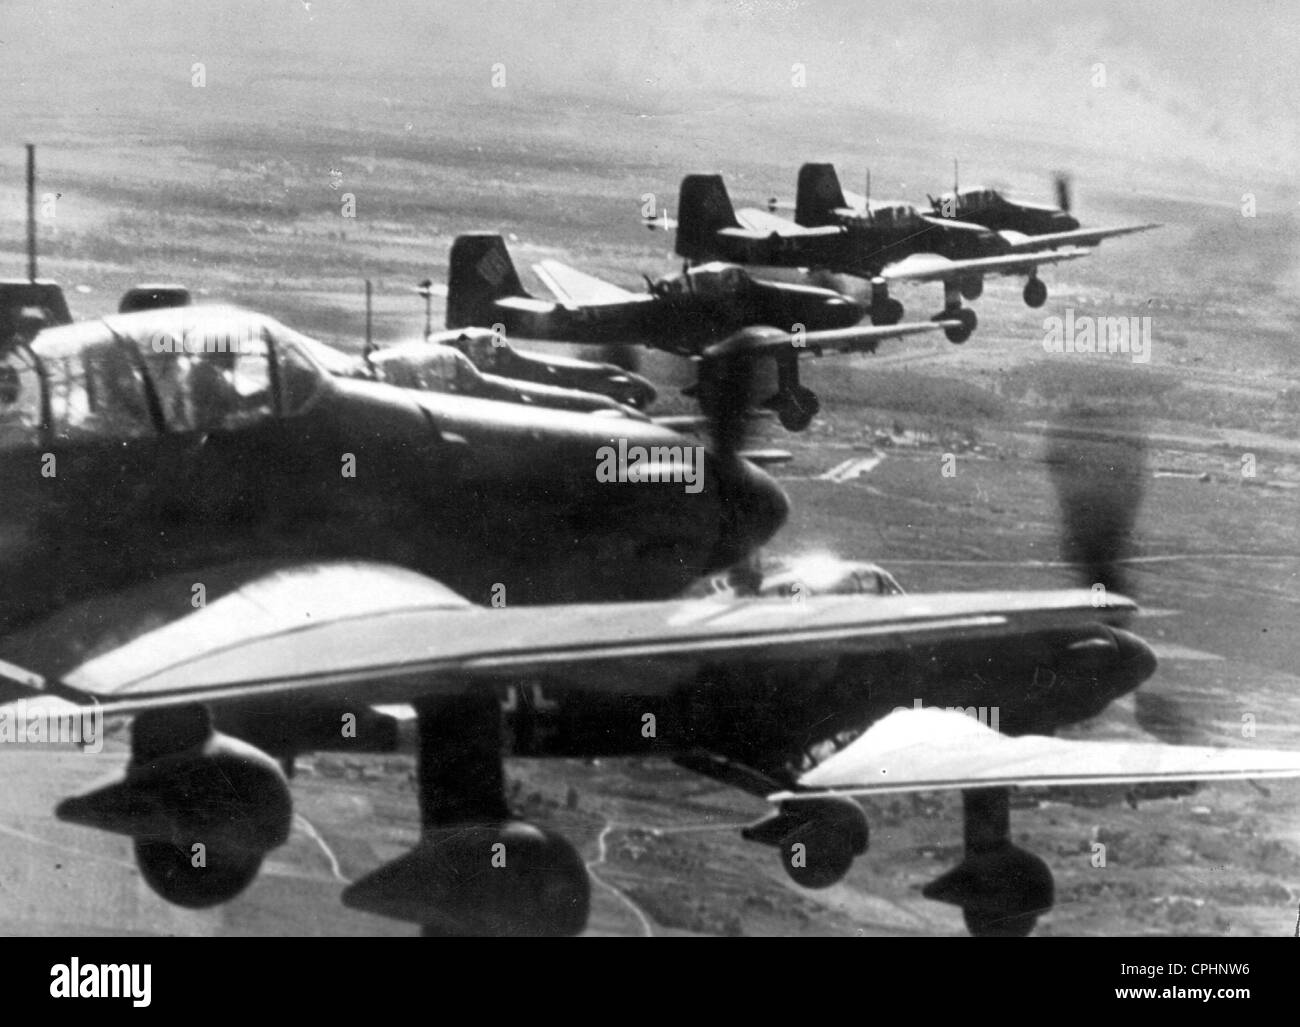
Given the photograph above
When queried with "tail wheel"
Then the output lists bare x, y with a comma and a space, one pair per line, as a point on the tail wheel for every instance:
1035, 292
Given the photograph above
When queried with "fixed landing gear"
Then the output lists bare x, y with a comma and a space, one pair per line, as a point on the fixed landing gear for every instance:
509, 879
890, 312
1035, 292
476, 872
202, 809
966, 319
817, 840
795, 407
1001, 889
1001, 893
169, 869
885, 310
954, 311
795, 404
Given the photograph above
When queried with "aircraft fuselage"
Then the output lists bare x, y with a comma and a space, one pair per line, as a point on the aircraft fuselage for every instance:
681, 320
472, 492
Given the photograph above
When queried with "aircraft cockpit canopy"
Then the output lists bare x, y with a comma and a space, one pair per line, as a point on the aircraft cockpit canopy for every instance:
978, 198
799, 577
427, 366
194, 369
482, 346
711, 281
894, 215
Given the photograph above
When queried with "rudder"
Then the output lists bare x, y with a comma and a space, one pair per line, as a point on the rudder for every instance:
480, 273
818, 196
703, 208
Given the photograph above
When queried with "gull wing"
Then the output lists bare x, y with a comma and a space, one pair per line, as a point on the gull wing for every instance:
382, 634
919, 750
858, 339
1021, 243
930, 267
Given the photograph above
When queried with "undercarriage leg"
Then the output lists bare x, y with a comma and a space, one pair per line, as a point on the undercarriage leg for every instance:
885, 310
962, 320
475, 872
460, 775
1001, 889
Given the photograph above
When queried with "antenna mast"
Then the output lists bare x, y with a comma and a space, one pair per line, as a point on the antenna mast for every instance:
31, 213
425, 289
369, 334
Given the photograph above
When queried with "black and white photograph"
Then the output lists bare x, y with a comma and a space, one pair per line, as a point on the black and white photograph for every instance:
685, 468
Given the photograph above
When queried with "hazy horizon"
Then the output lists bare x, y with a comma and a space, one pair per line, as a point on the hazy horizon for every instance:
1183, 93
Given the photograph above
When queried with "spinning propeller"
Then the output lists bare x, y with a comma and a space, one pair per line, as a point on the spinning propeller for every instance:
725, 389
1099, 476
1061, 183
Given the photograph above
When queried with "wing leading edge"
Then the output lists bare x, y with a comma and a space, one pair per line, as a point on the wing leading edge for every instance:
275, 637
917, 750
931, 267
858, 339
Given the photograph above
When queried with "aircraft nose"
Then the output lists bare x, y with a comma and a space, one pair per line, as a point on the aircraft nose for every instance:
753, 509
1135, 661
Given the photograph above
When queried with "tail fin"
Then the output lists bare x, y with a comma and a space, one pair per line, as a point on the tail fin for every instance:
819, 196
480, 273
703, 207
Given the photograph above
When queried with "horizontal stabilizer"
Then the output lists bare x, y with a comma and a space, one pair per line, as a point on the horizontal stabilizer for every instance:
761, 223
576, 288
